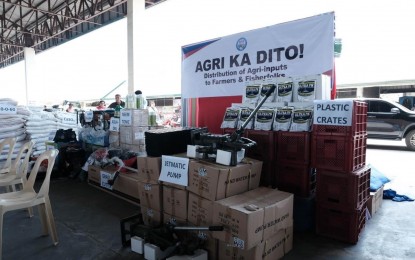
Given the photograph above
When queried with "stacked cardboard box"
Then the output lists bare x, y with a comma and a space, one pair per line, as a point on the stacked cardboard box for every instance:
125, 186
209, 182
133, 125
214, 182
273, 248
186, 206
175, 202
150, 190
254, 220
150, 194
141, 187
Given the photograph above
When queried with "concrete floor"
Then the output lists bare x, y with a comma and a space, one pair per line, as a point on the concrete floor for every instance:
87, 221
88, 224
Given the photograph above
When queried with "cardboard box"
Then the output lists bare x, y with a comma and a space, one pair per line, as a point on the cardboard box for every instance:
132, 135
150, 167
150, 194
214, 182
151, 217
273, 248
126, 183
172, 185
199, 210
175, 202
379, 198
134, 117
114, 139
138, 135
94, 173
375, 201
125, 135
252, 216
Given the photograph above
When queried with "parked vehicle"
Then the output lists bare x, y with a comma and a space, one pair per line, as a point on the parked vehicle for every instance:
390, 121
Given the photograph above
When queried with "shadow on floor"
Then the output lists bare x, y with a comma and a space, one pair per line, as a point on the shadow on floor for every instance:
88, 224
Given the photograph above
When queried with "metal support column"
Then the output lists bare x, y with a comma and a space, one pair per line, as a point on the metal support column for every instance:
30, 74
135, 18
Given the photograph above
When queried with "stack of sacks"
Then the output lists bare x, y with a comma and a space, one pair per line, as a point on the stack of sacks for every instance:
67, 121
39, 127
12, 125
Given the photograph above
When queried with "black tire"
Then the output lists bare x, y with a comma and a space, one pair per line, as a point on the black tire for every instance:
410, 140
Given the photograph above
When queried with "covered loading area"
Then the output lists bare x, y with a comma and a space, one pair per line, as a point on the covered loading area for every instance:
31, 27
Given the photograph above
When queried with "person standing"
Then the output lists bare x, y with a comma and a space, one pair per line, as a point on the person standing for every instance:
117, 102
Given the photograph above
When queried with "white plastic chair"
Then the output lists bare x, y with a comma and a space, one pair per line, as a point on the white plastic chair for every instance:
18, 169
29, 197
10, 142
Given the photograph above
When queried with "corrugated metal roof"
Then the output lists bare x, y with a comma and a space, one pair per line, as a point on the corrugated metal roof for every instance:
43, 24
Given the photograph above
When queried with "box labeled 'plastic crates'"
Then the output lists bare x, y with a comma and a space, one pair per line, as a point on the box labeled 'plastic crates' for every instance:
299, 179
341, 225
338, 153
358, 125
293, 147
343, 191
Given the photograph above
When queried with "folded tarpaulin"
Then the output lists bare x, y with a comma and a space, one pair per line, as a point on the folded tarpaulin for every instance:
391, 195
377, 178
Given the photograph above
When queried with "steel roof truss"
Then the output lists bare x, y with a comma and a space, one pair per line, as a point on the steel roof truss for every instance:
42, 24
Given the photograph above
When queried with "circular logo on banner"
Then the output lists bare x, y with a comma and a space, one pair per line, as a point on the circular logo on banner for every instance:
241, 44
